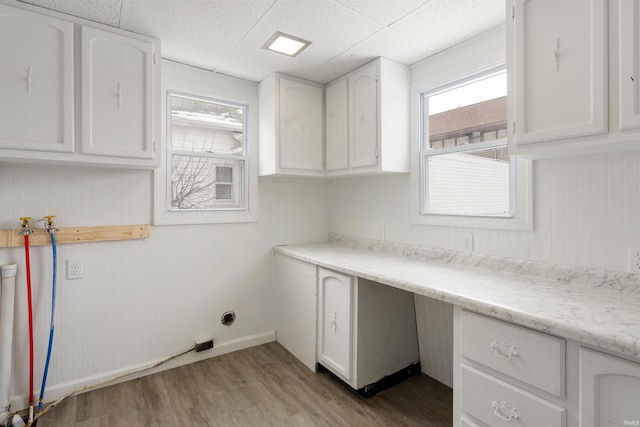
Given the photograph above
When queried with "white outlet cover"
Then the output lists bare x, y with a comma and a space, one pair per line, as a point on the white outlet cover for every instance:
633, 259
466, 241
74, 269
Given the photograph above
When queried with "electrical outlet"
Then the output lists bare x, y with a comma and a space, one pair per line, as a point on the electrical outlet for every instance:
467, 242
633, 259
74, 269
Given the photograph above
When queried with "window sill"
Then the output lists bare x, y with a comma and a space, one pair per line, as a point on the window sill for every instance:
475, 222
193, 218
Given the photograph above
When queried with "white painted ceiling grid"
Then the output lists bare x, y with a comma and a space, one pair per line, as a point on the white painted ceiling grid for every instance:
227, 36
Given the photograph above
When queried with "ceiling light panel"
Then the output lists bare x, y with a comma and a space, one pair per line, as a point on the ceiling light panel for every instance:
286, 44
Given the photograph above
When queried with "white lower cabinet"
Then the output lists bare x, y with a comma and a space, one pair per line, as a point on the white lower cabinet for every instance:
295, 288
366, 330
609, 390
335, 322
506, 374
497, 402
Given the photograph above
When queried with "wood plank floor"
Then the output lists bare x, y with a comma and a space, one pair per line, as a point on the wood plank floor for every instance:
259, 386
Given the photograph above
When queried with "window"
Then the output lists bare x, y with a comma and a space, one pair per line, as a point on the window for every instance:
207, 154
464, 162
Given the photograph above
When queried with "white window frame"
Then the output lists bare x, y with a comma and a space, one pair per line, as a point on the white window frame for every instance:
426, 152
196, 83
521, 205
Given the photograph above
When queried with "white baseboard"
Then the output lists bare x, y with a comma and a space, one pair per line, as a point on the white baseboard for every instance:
59, 390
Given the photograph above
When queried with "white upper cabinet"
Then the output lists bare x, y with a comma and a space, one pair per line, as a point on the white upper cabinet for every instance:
574, 69
337, 125
36, 81
367, 120
75, 92
560, 69
363, 116
117, 95
291, 125
629, 54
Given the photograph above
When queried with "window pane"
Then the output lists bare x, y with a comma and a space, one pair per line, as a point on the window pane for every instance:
467, 114
469, 183
199, 183
206, 126
224, 174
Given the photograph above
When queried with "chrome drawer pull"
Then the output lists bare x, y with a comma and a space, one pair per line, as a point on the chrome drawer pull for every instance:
502, 408
504, 350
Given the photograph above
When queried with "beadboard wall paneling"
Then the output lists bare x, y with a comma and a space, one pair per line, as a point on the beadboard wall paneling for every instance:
435, 338
587, 213
142, 300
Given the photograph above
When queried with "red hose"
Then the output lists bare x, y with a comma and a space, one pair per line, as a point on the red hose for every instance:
30, 303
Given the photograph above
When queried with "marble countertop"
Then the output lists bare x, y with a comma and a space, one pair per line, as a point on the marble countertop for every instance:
596, 307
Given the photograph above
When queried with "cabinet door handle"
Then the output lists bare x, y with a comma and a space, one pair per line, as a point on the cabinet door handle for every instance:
334, 322
119, 95
29, 79
504, 350
556, 55
504, 411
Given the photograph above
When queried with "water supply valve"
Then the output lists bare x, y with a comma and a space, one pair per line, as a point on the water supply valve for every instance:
48, 224
25, 225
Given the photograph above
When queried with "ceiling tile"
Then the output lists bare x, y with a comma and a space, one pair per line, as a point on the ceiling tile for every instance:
386, 43
331, 28
384, 11
103, 11
196, 32
441, 24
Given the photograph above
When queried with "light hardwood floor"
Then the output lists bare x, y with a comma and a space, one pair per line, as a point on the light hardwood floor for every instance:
259, 386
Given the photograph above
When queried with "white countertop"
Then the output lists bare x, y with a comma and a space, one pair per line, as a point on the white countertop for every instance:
596, 307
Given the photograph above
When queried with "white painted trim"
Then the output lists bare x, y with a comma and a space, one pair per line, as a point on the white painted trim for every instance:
192, 81
60, 390
482, 53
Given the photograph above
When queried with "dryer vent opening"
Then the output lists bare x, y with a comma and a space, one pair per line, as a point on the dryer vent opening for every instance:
228, 318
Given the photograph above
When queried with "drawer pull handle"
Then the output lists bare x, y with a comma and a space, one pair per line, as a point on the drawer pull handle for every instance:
503, 411
504, 350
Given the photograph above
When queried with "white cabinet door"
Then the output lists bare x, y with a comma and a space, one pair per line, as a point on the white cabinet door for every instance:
335, 322
560, 69
295, 287
609, 390
117, 95
337, 125
300, 126
629, 54
363, 117
36, 81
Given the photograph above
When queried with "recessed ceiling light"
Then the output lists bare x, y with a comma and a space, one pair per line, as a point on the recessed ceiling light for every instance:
286, 44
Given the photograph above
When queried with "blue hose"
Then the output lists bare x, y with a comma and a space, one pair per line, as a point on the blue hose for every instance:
53, 310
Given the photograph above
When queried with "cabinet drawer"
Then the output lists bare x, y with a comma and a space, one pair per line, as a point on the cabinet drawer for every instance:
497, 403
535, 358
464, 422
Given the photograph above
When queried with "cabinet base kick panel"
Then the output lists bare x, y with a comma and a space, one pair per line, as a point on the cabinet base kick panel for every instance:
382, 384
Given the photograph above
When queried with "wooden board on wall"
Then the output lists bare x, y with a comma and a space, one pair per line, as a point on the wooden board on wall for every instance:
13, 238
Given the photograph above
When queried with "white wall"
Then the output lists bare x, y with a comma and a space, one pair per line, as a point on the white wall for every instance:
586, 213
586, 208
143, 300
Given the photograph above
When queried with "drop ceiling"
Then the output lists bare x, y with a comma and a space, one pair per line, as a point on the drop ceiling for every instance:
226, 36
